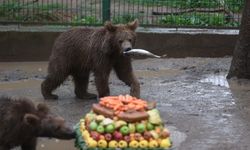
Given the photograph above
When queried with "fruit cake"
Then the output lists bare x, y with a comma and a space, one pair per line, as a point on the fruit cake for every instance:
122, 122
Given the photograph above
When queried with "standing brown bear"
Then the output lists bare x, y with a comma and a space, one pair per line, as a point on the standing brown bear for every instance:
80, 51
21, 123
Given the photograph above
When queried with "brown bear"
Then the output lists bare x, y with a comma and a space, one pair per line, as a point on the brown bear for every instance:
79, 51
22, 122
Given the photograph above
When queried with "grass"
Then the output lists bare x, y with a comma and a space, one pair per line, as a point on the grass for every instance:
177, 3
88, 20
233, 5
18, 11
123, 18
14, 10
194, 4
198, 19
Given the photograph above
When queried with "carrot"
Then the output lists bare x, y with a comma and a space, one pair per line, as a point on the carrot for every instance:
123, 103
137, 107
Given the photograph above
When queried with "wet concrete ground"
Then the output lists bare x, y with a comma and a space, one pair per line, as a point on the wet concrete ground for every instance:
200, 107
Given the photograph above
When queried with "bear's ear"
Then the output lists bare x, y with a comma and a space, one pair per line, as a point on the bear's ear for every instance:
42, 108
110, 27
133, 25
31, 119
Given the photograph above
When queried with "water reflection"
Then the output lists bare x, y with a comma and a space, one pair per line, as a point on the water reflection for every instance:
216, 79
240, 90
54, 144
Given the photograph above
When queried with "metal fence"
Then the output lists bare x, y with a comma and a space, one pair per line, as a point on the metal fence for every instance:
166, 13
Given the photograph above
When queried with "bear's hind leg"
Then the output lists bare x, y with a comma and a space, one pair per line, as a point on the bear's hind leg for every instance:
29, 145
81, 81
51, 82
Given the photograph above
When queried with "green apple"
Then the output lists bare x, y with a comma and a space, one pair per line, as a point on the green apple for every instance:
93, 125
140, 127
110, 128
131, 128
100, 129
150, 126
124, 130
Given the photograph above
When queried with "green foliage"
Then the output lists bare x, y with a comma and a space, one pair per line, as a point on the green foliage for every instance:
198, 19
124, 18
178, 3
235, 5
85, 20
35, 11
19, 11
194, 4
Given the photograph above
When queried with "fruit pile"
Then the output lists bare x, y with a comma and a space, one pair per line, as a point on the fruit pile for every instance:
122, 122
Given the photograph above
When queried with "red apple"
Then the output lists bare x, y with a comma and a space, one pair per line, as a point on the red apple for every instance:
147, 135
137, 136
127, 138
108, 137
117, 136
95, 135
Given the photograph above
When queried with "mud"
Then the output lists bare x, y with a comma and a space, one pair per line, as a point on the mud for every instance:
201, 108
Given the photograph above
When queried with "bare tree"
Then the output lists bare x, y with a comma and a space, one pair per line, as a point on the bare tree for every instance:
240, 66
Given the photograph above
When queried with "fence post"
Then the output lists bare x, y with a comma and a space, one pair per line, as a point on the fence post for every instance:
106, 10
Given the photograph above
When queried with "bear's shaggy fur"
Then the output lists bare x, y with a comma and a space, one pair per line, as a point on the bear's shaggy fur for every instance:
80, 51
21, 123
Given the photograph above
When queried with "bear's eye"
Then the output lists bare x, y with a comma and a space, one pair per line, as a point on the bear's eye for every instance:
120, 41
130, 40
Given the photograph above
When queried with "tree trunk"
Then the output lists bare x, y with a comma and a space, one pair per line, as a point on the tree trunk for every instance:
240, 66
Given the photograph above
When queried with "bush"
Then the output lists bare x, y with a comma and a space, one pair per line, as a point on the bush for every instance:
178, 3
123, 18
235, 5
25, 11
198, 19
90, 20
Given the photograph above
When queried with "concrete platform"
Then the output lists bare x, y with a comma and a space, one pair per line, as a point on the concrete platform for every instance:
24, 43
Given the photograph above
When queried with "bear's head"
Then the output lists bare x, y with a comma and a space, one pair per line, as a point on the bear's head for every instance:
123, 35
48, 125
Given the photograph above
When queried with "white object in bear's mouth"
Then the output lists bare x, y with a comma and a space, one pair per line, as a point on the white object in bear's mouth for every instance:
142, 52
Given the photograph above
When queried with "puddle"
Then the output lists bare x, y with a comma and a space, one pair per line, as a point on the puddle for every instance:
20, 84
55, 144
157, 73
176, 136
27, 66
216, 79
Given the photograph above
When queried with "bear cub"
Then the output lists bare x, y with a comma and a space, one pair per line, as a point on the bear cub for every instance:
22, 122
79, 51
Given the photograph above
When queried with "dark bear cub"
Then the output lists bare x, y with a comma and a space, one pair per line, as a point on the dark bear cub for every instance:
80, 51
22, 122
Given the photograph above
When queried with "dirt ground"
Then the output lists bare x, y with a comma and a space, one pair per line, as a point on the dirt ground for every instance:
201, 108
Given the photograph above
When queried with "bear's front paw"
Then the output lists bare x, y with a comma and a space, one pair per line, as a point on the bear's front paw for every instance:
86, 96
51, 96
